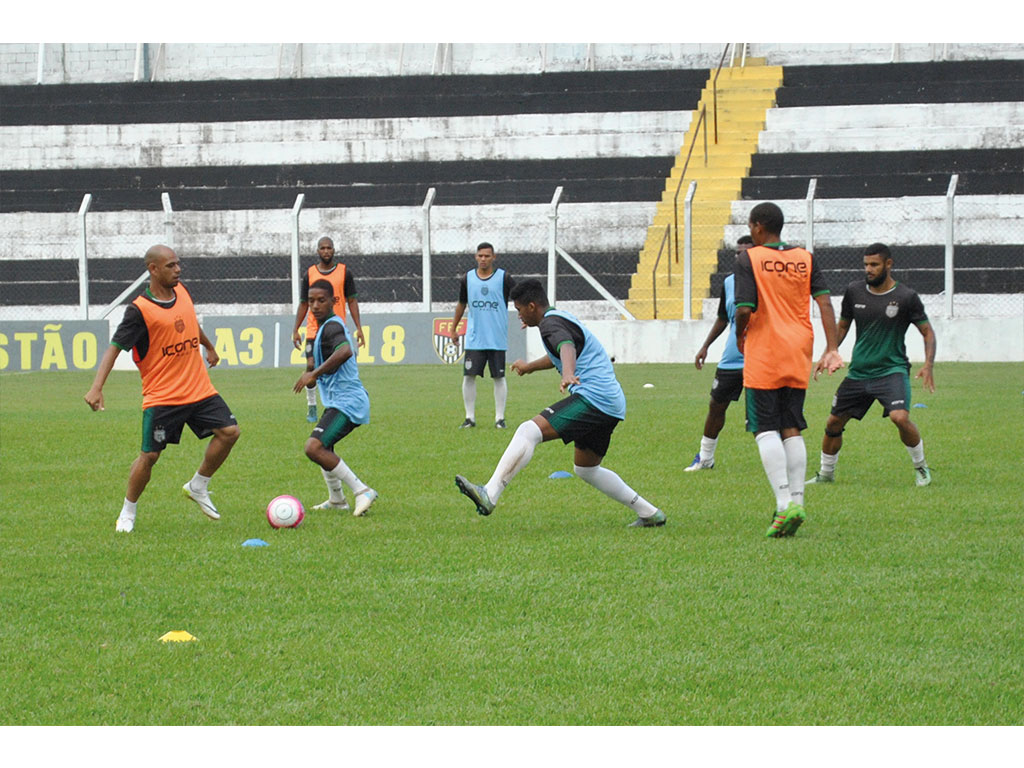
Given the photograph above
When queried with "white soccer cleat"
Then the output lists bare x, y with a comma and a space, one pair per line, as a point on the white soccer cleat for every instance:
125, 523
342, 505
697, 464
363, 501
202, 499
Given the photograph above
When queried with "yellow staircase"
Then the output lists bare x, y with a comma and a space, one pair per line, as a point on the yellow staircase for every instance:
744, 96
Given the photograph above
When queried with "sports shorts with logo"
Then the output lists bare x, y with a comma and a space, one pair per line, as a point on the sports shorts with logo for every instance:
577, 421
494, 359
728, 385
775, 409
855, 396
163, 424
333, 426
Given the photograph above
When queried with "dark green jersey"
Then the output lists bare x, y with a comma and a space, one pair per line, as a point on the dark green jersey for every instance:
882, 321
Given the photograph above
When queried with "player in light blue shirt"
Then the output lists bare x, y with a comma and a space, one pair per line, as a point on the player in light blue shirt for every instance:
587, 417
346, 403
484, 291
728, 383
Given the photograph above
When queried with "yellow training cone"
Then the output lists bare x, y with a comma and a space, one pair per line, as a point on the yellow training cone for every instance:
180, 636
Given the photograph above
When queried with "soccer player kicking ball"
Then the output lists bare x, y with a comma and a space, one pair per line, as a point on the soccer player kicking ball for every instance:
587, 417
883, 310
346, 404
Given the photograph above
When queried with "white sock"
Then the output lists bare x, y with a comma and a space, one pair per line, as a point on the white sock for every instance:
469, 396
335, 493
199, 483
500, 396
128, 508
612, 486
773, 459
707, 449
347, 476
828, 463
917, 454
310, 396
796, 466
516, 456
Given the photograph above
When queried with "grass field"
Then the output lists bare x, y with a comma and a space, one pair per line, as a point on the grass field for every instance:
893, 605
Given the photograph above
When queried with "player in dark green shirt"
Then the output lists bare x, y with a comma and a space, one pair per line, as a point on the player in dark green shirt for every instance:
883, 310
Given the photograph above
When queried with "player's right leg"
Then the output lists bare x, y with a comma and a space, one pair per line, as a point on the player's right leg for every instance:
472, 368
138, 479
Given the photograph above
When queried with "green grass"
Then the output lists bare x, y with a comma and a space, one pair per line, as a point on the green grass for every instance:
893, 605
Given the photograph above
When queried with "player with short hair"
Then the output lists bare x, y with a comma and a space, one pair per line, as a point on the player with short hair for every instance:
774, 285
728, 382
340, 277
484, 291
587, 418
882, 309
162, 330
346, 403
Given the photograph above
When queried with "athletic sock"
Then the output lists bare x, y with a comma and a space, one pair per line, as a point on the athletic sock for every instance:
707, 449
469, 396
347, 476
311, 396
828, 463
773, 459
199, 483
500, 396
335, 493
612, 486
917, 454
128, 509
796, 466
516, 456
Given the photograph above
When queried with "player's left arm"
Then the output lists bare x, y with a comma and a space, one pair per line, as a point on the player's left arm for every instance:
353, 309
567, 354
521, 367
212, 358
925, 374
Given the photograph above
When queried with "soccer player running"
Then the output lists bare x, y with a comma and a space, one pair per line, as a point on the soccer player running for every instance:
879, 369
587, 417
346, 404
774, 284
340, 277
728, 383
162, 330
485, 292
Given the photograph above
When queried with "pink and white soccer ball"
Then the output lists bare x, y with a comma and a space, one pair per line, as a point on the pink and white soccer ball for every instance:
285, 512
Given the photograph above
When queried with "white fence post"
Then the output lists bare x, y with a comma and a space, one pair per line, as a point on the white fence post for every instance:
39, 63
809, 239
553, 243
165, 201
83, 259
688, 251
428, 202
296, 210
950, 196
139, 50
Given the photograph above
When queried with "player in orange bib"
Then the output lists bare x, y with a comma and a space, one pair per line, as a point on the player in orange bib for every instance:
340, 278
161, 329
774, 286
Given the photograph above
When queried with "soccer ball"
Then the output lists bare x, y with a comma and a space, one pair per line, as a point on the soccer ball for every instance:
285, 512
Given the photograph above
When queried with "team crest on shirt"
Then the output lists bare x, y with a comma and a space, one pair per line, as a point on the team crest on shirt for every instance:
179, 324
892, 310
448, 349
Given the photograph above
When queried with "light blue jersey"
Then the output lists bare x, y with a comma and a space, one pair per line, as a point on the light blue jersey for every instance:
732, 358
342, 389
487, 326
598, 384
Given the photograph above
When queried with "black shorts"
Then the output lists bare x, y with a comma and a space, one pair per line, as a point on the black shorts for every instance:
577, 421
333, 426
163, 424
494, 358
771, 410
728, 385
855, 396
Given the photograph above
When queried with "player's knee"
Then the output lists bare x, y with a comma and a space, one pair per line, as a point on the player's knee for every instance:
587, 474
313, 448
900, 418
229, 434
834, 428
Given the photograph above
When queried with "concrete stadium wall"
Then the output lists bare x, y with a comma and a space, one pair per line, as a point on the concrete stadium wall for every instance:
112, 62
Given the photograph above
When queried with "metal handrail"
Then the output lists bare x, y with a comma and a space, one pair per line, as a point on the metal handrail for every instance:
654, 272
686, 165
